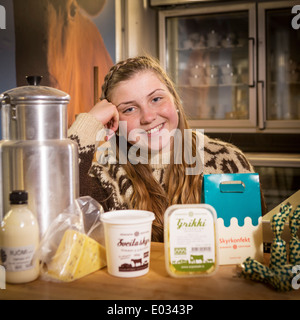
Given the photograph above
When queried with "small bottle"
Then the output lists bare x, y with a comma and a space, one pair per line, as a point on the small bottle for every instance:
19, 240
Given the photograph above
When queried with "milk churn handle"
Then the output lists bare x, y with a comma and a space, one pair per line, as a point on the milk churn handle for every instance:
4, 98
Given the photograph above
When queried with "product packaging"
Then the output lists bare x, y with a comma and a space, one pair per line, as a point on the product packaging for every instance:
128, 241
191, 240
278, 248
286, 235
19, 240
294, 243
283, 270
237, 201
73, 245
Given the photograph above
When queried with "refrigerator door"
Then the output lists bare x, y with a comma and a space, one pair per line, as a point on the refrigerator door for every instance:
210, 54
279, 66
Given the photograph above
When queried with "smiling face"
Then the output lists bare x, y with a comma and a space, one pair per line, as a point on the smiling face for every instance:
148, 108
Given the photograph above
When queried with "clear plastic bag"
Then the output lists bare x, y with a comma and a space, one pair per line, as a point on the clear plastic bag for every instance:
73, 245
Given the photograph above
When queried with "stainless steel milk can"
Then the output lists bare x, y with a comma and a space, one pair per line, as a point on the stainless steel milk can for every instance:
36, 155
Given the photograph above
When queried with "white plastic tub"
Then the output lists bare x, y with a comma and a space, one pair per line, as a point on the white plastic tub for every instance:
127, 242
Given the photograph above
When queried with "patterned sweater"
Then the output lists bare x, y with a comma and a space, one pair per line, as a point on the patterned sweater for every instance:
109, 184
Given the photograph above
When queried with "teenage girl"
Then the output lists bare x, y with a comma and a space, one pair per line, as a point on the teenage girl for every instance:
149, 169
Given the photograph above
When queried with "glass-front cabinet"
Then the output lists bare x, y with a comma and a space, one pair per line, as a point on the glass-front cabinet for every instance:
208, 54
211, 53
279, 65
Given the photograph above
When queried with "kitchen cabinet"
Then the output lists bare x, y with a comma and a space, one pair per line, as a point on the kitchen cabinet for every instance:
279, 66
235, 65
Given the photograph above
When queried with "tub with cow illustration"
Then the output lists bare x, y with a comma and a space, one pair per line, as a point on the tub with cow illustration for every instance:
127, 241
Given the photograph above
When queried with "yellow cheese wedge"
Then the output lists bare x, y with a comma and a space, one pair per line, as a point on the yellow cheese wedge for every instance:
77, 256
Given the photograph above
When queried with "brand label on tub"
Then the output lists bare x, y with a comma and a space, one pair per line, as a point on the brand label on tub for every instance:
192, 240
132, 253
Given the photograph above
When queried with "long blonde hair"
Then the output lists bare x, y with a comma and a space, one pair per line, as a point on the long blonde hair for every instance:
148, 194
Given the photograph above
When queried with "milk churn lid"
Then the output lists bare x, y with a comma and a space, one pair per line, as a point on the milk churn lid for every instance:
35, 93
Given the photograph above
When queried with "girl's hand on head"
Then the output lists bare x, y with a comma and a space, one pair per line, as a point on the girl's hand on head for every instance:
106, 113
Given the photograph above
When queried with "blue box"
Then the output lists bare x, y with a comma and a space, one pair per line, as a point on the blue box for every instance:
237, 201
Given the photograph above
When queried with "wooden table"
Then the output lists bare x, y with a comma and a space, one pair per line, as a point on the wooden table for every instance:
156, 285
